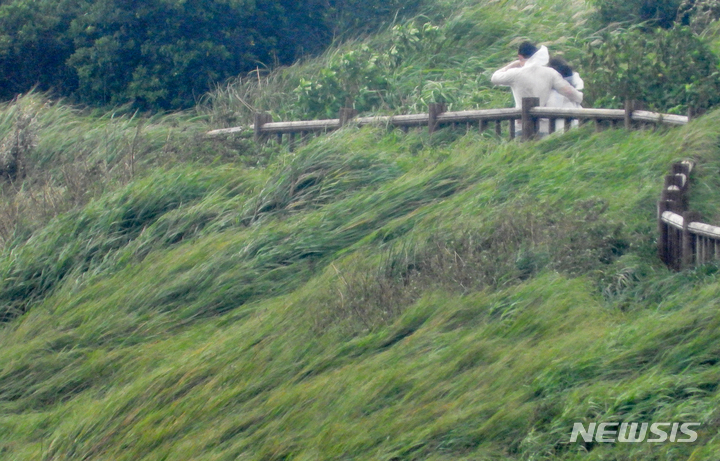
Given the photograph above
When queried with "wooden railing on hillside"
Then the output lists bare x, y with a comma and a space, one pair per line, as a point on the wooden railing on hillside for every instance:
683, 242
530, 115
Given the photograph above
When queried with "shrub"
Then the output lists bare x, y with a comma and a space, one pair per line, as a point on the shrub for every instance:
669, 70
698, 14
660, 12
162, 54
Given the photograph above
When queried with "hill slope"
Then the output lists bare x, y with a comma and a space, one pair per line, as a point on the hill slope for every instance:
374, 295
467, 299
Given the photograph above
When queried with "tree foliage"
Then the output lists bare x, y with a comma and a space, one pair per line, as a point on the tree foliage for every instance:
363, 76
659, 12
667, 69
163, 54
698, 14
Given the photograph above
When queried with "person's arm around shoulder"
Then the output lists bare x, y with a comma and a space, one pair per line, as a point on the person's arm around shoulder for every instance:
564, 88
505, 75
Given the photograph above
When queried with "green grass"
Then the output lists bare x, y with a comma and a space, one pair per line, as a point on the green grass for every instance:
511, 290
374, 295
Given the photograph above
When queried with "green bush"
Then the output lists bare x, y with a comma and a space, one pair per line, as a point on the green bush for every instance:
162, 54
660, 12
698, 14
668, 70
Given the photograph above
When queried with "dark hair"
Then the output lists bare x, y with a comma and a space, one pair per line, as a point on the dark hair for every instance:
527, 49
561, 65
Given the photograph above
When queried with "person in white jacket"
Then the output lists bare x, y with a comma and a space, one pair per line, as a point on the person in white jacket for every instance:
558, 100
528, 77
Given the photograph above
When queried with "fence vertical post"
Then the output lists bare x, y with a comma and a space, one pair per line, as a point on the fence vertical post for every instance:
346, 114
529, 122
687, 244
291, 141
434, 109
675, 199
629, 108
662, 206
261, 118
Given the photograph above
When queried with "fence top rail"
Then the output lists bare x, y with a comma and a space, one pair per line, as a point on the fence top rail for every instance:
673, 219
706, 230
303, 125
399, 120
670, 119
462, 116
478, 115
580, 113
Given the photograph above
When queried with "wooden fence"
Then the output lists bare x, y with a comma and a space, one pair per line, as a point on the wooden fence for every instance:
501, 120
683, 242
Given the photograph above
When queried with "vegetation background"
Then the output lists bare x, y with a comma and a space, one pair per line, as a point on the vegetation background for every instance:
374, 294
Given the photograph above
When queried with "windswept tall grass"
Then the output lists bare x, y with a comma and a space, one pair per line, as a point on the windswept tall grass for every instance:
64, 157
373, 295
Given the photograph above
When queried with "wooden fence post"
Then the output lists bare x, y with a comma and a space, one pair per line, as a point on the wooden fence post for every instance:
665, 251
435, 109
676, 200
291, 141
529, 122
687, 257
346, 114
694, 113
629, 108
261, 118
663, 240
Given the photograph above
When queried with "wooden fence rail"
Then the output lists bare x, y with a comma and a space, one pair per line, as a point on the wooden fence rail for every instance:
529, 115
683, 242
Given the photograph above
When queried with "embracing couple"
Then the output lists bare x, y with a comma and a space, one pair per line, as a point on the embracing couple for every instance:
535, 75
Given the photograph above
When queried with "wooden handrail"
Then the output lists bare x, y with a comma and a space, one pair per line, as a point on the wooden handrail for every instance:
480, 117
683, 241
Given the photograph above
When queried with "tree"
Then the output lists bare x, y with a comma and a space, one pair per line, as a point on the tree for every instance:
163, 54
669, 70
34, 45
658, 12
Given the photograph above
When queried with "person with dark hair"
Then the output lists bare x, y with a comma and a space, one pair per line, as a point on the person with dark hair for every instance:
527, 49
528, 77
562, 66
558, 100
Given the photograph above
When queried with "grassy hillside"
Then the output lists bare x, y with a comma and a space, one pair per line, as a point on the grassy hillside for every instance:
373, 295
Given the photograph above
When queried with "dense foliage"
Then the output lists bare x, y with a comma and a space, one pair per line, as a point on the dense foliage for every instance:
698, 14
164, 54
660, 12
668, 70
